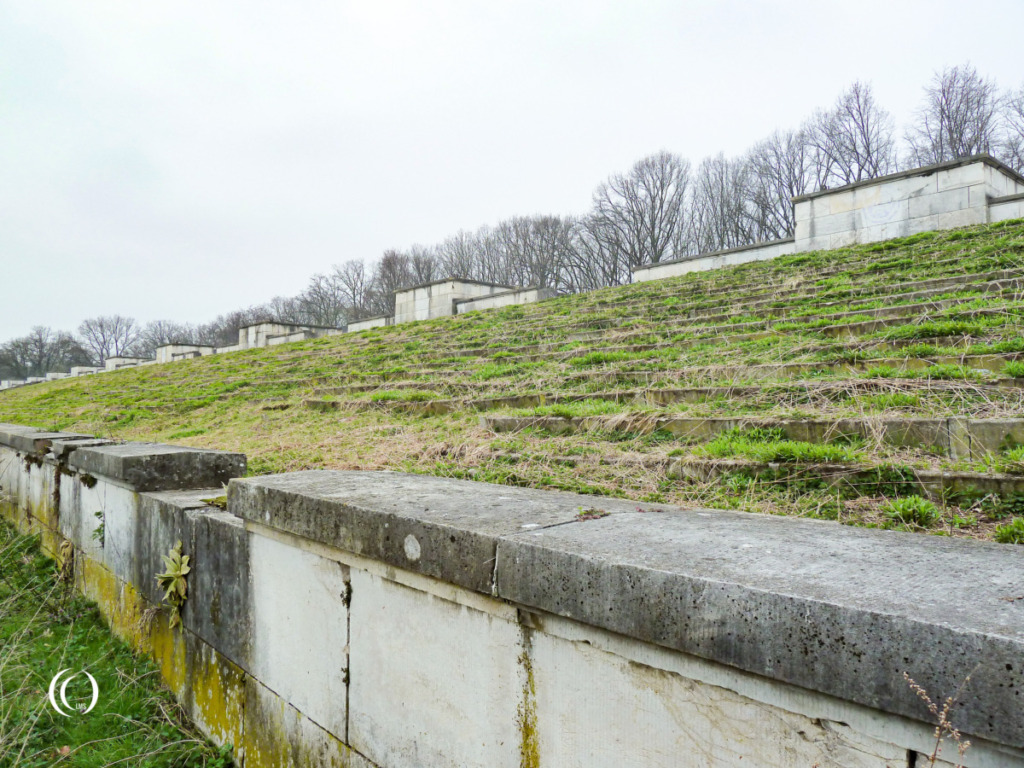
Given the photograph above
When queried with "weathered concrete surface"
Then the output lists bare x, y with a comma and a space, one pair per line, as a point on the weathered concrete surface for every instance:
27, 440
300, 629
837, 610
155, 467
714, 260
433, 682
438, 527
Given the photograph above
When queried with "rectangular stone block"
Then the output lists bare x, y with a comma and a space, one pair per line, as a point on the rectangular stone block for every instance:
961, 176
220, 583
923, 224
764, 594
300, 629
838, 222
883, 213
943, 202
676, 719
1006, 211
433, 683
446, 529
963, 218
155, 467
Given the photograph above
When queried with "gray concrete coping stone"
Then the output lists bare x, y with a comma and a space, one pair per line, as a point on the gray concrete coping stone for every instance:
447, 529
839, 610
926, 170
28, 440
712, 254
156, 467
443, 280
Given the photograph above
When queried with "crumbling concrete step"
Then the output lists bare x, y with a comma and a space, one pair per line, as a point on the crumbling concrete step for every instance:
741, 303
955, 438
870, 480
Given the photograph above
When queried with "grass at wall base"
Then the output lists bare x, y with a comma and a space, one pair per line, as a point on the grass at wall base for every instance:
45, 628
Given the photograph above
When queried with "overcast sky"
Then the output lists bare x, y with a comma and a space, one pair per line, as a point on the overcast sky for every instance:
176, 160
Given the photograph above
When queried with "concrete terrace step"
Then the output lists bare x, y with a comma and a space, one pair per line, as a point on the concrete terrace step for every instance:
942, 486
1008, 286
955, 438
884, 318
787, 297
790, 394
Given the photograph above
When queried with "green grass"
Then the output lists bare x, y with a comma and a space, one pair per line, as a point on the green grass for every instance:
45, 628
578, 409
1011, 532
771, 445
403, 396
1014, 369
719, 328
912, 511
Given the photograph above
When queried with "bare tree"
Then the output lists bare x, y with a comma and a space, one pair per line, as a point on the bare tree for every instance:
458, 256
423, 263
853, 140
41, 352
392, 272
160, 332
1011, 149
355, 286
959, 117
641, 214
109, 336
323, 301
596, 259
223, 331
719, 215
779, 169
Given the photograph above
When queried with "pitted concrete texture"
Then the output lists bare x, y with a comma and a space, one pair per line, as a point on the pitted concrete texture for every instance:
32, 440
155, 467
63, 447
438, 527
838, 610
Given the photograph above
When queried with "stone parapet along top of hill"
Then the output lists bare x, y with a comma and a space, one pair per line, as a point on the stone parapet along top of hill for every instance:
878, 385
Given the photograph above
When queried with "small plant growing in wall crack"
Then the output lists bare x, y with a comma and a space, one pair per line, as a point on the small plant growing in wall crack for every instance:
172, 581
590, 513
100, 532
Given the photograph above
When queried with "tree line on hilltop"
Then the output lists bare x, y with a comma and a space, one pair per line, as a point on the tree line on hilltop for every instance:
660, 209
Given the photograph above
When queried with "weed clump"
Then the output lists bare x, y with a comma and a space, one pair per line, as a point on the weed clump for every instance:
911, 511
1012, 532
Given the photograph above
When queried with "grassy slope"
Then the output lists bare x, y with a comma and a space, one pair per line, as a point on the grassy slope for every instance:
44, 628
838, 319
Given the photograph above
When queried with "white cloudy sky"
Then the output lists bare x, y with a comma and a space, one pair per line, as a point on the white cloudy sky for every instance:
180, 159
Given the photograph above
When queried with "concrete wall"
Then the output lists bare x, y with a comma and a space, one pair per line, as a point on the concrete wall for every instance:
505, 299
116, 363
381, 619
944, 196
370, 322
960, 193
437, 299
715, 260
1007, 207
172, 352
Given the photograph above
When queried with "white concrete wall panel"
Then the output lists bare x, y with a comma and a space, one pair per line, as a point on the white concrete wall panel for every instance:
434, 683
300, 629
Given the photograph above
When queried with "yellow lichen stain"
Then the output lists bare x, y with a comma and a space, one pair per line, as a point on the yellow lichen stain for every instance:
218, 693
276, 738
526, 717
119, 602
168, 650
